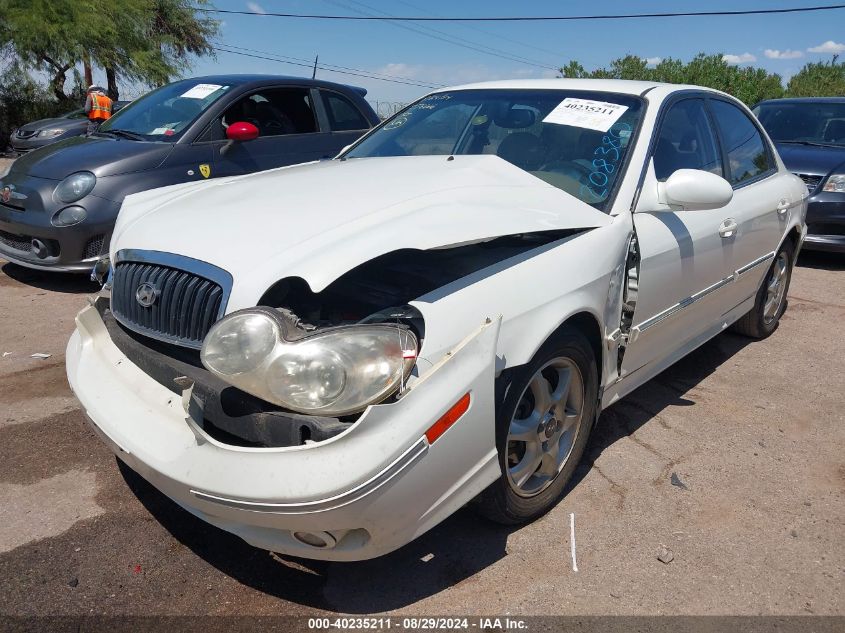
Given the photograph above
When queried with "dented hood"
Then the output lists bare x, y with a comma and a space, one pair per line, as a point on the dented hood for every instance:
317, 221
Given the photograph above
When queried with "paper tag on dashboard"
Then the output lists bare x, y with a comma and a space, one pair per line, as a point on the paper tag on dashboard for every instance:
593, 115
200, 91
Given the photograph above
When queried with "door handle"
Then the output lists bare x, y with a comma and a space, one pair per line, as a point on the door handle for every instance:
728, 228
783, 207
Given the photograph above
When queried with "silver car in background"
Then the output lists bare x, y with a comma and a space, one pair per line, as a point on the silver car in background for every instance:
39, 133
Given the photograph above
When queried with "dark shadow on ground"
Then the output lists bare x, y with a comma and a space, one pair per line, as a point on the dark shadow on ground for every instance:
452, 552
821, 260
455, 550
69, 283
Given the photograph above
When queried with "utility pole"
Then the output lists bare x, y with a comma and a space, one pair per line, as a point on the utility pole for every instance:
314, 72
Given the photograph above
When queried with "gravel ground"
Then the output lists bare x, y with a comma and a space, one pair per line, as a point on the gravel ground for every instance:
752, 430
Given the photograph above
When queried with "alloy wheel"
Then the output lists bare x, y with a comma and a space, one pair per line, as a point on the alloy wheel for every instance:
545, 426
776, 288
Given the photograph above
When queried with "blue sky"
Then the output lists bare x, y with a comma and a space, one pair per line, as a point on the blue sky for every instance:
779, 43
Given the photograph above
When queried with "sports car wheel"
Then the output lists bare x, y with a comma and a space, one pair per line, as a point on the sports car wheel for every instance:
770, 304
542, 428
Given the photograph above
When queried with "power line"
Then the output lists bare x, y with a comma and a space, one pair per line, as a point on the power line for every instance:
334, 67
497, 35
362, 73
529, 18
449, 39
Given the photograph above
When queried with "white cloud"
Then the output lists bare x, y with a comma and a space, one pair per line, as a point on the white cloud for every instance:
255, 8
653, 61
772, 53
455, 74
829, 47
739, 59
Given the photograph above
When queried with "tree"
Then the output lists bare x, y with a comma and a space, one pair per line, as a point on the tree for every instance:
573, 70
747, 84
148, 41
820, 79
48, 35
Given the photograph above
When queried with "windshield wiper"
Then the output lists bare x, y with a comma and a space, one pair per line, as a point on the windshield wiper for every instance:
123, 133
811, 143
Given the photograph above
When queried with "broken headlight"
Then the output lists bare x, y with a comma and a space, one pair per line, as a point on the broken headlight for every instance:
337, 371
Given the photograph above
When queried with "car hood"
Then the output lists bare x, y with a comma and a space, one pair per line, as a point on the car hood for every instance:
317, 221
101, 155
808, 159
54, 124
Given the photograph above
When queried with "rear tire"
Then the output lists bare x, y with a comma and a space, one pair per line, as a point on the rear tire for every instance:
542, 427
770, 303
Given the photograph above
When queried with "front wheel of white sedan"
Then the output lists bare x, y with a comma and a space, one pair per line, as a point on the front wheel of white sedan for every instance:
770, 302
543, 424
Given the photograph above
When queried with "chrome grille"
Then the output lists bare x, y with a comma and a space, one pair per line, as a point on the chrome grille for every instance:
186, 303
811, 181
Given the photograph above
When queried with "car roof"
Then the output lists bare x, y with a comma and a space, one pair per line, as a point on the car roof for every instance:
805, 100
255, 81
621, 86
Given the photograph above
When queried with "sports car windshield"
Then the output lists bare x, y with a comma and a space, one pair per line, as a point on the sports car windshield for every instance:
574, 140
810, 123
163, 114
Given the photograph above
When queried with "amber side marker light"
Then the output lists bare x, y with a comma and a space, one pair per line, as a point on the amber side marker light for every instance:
448, 419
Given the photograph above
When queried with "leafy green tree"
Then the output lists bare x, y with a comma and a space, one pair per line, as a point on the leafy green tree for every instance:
823, 79
573, 70
630, 67
747, 84
148, 41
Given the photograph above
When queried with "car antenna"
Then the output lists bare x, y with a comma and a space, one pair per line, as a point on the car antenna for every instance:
314, 72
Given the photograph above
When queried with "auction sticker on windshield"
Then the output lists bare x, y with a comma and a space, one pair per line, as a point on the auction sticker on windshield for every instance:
200, 91
593, 115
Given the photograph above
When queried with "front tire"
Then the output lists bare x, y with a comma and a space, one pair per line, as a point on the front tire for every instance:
542, 427
770, 303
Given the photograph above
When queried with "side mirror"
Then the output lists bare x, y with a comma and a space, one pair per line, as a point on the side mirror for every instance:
694, 190
241, 131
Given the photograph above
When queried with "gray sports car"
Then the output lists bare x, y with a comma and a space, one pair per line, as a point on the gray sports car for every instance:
39, 133
59, 203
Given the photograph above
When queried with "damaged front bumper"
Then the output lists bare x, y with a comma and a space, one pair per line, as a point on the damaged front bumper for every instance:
363, 493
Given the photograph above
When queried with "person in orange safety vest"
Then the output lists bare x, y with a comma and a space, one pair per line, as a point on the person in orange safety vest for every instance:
98, 108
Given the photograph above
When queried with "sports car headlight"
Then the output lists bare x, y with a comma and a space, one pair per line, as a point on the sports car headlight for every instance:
50, 133
69, 216
76, 186
835, 183
335, 372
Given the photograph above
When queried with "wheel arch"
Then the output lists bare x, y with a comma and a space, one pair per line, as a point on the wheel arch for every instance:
793, 235
584, 321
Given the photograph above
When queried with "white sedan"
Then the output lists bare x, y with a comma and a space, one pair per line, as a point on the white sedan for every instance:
329, 359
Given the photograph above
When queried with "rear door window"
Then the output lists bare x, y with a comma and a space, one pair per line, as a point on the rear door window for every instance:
343, 115
747, 153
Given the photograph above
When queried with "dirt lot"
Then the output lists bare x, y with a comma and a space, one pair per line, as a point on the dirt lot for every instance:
754, 431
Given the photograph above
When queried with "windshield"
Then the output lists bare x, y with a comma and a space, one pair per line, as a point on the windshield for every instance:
575, 141
163, 114
811, 122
